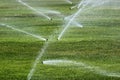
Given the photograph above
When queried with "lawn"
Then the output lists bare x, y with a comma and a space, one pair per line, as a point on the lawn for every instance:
96, 45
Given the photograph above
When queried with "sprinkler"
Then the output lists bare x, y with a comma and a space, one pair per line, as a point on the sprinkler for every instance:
57, 38
46, 39
51, 19
70, 8
42, 62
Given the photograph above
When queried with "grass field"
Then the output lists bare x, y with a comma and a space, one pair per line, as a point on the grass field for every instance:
97, 44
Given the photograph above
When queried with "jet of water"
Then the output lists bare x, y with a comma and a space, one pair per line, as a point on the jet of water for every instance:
69, 1
72, 23
51, 12
35, 10
69, 23
96, 69
40, 54
84, 3
37, 60
90, 3
22, 31
81, 6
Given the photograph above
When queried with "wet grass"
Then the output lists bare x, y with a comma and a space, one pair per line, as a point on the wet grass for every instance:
96, 44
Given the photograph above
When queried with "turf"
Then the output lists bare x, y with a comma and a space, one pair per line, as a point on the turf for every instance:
96, 44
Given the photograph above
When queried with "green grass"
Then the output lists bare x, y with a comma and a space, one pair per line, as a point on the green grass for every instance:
96, 44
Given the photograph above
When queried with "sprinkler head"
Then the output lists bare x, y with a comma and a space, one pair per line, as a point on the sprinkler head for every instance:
46, 39
57, 39
51, 19
70, 8
42, 62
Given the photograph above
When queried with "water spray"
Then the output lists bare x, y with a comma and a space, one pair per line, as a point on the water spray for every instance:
40, 54
70, 2
25, 32
73, 7
47, 44
91, 3
72, 19
42, 51
73, 22
35, 10
69, 23
81, 6
91, 68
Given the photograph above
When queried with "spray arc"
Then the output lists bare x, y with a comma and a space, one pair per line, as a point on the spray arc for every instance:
25, 32
35, 10
83, 5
